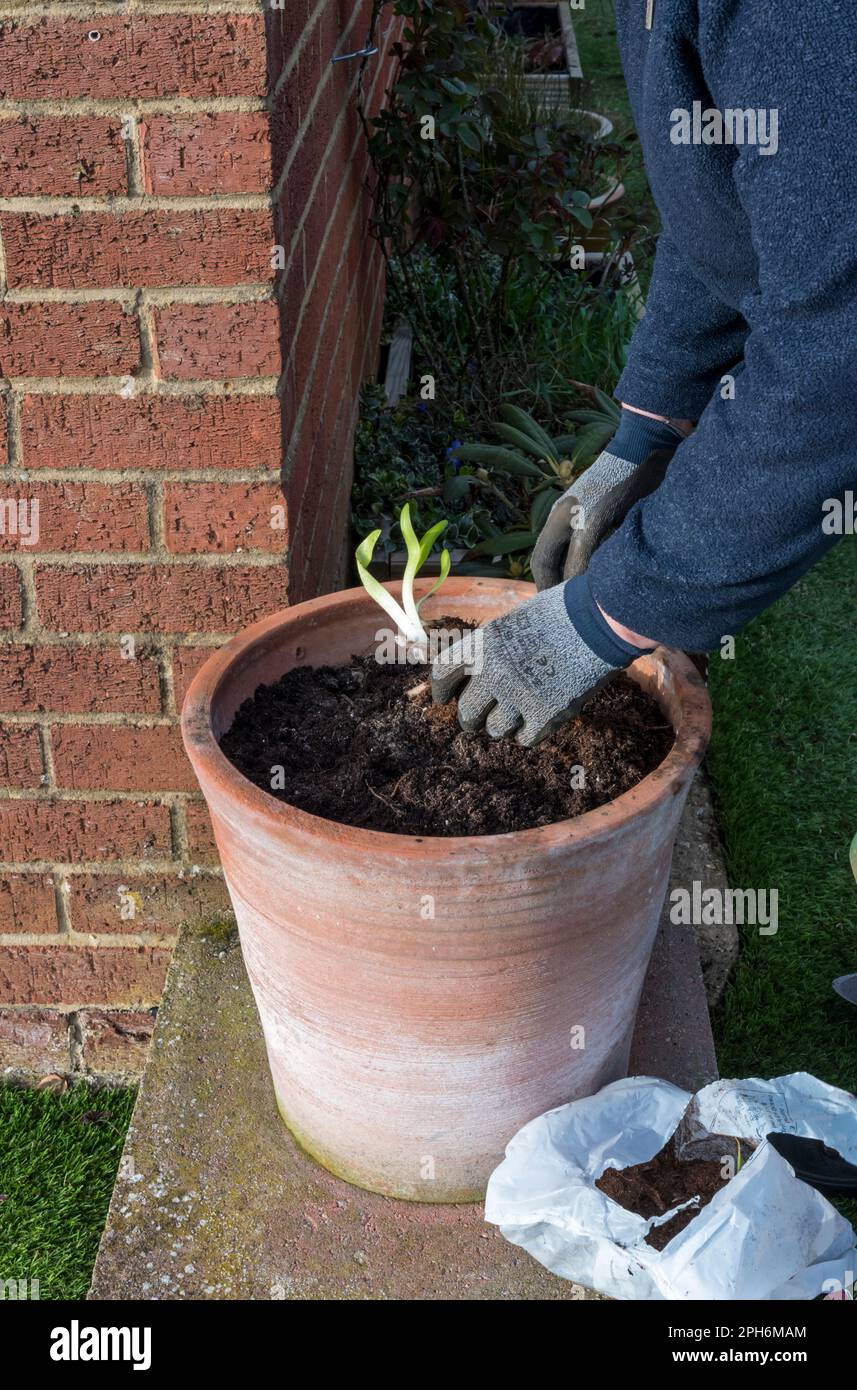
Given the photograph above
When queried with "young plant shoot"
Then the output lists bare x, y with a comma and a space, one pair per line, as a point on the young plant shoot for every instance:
411, 634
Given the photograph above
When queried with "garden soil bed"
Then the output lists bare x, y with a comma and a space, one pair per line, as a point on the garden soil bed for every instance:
665, 1181
346, 743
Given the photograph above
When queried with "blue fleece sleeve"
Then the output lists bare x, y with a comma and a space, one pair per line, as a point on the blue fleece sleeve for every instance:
685, 342
739, 516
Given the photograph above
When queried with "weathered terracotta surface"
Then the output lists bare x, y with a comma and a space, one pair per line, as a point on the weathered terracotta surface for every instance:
407, 1049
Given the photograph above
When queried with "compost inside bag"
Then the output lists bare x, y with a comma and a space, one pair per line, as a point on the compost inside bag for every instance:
763, 1235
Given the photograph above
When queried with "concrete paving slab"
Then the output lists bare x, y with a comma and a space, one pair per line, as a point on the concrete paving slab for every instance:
698, 854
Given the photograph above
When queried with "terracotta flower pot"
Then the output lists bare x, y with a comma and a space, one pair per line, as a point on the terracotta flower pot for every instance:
422, 998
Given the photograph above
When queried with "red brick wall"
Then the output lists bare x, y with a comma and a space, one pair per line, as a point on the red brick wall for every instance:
169, 395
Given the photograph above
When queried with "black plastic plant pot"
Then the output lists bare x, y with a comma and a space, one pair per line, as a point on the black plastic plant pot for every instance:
814, 1163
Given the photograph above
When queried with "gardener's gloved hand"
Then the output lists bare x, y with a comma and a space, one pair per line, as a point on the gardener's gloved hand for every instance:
632, 466
534, 667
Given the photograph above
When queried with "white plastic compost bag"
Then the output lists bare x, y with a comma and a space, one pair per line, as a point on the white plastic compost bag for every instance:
765, 1235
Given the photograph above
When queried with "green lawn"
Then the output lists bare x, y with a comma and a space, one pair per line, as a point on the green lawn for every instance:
58, 1161
784, 762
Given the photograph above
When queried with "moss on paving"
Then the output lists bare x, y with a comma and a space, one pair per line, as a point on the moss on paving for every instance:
220, 930
784, 763
58, 1161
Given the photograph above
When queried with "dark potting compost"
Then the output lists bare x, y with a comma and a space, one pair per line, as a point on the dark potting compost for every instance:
354, 748
665, 1181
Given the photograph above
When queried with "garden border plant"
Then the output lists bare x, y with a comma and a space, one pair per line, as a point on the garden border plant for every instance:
536, 464
476, 224
492, 187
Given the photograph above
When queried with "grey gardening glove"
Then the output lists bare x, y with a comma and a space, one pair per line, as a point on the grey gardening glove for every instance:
528, 671
632, 466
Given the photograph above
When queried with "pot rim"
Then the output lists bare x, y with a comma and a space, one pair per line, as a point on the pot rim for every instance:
211, 765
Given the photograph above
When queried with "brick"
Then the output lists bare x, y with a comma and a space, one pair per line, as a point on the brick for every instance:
20, 756
115, 1041
94, 339
321, 330
200, 836
148, 53
310, 473
4, 448
206, 517
290, 23
136, 56
186, 662
324, 438
62, 156
323, 363
322, 28
151, 432
71, 975
218, 341
162, 598
312, 83
74, 516
11, 610
325, 543
217, 246
27, 903
292, 289
107, 758
329, 232
304, 162
211, 152
308, 82
325, 177
322, 488
34, 1040
327, 551
115, 903
309, 441
325, 386
83, 831
78, 680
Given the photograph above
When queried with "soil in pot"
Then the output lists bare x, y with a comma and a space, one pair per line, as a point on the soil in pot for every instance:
665, 1181
348, 744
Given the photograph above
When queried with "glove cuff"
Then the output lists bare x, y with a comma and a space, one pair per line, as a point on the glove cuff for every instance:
593, 628
638, 436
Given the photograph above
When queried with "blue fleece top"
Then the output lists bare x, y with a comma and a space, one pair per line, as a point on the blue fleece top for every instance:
755, 279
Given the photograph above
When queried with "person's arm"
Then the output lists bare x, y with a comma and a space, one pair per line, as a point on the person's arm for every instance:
683, 345
738, 518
